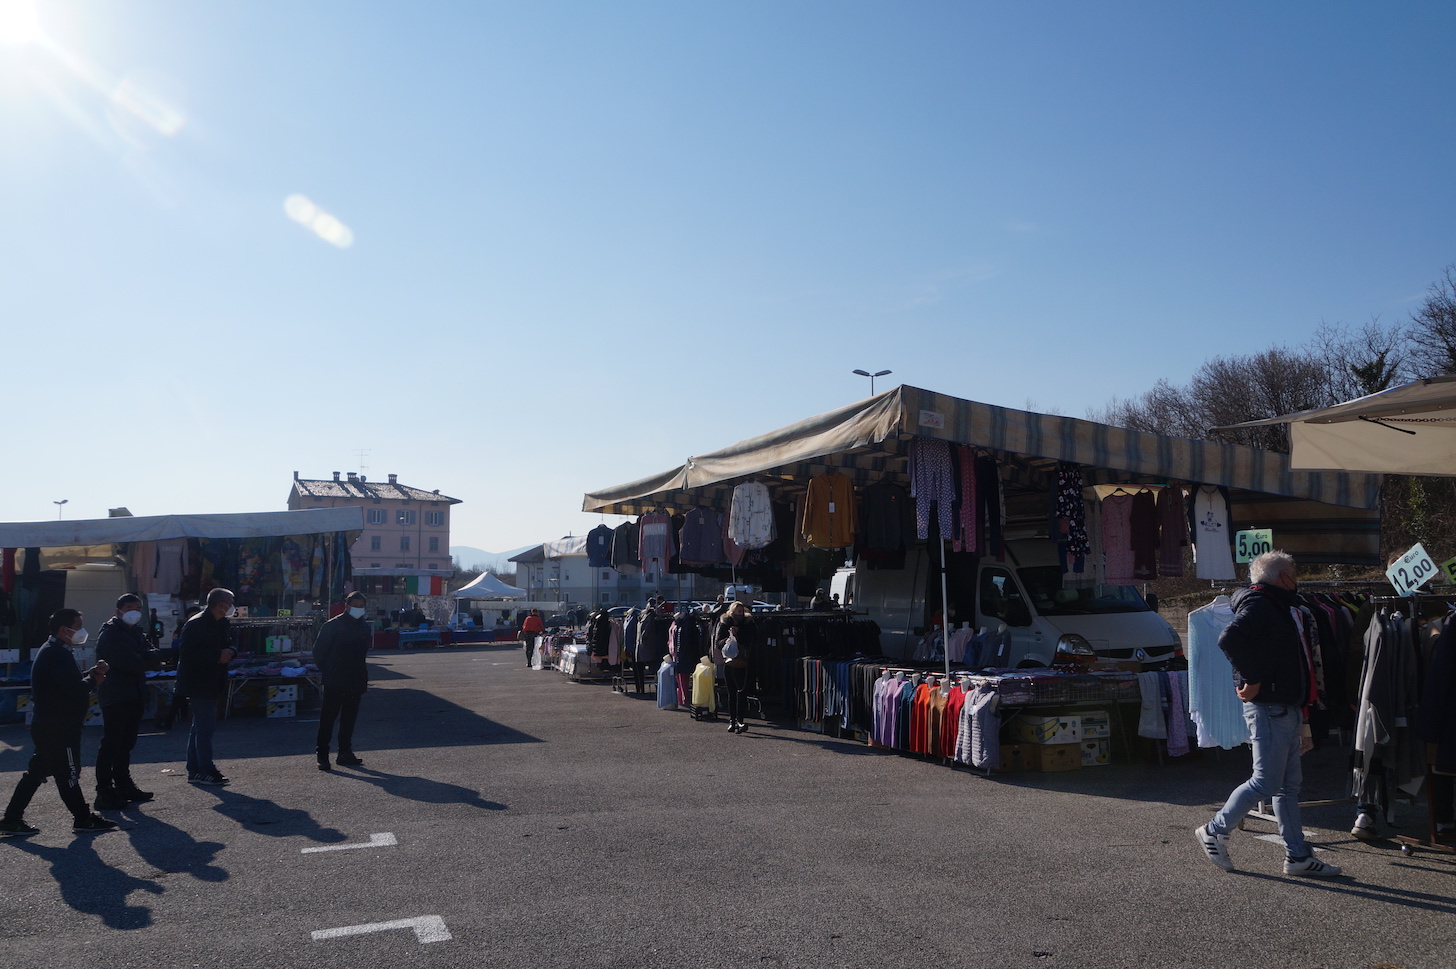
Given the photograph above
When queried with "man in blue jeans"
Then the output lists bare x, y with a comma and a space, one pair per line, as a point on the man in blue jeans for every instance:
1273, 671
202, 665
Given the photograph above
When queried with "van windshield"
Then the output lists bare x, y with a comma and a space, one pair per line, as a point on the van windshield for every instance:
1044, 585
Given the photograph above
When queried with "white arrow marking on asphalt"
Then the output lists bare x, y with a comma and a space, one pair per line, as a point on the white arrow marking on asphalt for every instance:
375, 841
428, 928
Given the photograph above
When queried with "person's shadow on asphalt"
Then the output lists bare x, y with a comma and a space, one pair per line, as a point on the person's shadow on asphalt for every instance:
171, 850
270, 818
90, 885
421, 789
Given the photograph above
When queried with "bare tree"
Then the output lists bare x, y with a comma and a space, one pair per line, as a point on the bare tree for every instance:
1374, 358
1432, 329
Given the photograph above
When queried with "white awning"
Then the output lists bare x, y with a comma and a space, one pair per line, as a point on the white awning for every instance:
103, 531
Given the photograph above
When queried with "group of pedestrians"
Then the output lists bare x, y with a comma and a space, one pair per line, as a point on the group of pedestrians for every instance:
126, 651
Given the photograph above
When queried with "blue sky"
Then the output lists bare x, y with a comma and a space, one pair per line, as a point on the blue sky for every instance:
591, 239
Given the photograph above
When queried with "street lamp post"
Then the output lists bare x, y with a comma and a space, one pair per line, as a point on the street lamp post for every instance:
872, 376
60, 511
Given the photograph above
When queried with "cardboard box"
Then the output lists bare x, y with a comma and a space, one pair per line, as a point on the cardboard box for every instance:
93, 716
1016, 758
1057, 728
1057, 757
1095, 724
281, 694
22, 702
281, 710
1096, 753
9, 656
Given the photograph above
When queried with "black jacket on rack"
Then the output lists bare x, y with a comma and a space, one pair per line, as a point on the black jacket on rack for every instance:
1438, 701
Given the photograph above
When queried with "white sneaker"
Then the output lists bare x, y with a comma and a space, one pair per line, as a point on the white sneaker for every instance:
1311, 867
1365, 828
1215, 845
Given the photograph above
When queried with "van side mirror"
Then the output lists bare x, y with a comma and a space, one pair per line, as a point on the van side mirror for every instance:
1017, 614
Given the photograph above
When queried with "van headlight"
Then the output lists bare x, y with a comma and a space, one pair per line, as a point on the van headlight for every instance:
1072, 646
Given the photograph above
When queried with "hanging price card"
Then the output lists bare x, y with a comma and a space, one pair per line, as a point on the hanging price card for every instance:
1449, 567
1411, 571
1250, 544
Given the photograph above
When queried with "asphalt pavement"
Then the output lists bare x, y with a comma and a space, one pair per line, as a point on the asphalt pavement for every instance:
512, 818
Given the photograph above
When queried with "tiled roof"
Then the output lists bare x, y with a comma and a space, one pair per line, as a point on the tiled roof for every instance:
310, 488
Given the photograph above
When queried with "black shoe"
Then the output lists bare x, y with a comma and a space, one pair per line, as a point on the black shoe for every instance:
135, 795
109, 799
346, 758
210, 778
16, 829
93, 825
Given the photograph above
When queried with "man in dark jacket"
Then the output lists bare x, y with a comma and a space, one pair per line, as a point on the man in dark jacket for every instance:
59, 696
128, 655
1273, 675
202, 662
339, 653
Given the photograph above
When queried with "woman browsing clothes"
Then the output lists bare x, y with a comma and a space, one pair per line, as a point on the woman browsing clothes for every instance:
736, 639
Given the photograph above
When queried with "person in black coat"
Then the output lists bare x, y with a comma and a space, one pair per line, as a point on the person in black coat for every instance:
59, 695
202, 665
737, 624
339, 653
123, 697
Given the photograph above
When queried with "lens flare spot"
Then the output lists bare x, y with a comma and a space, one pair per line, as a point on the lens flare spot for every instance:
19, 22
149, 106
301, 209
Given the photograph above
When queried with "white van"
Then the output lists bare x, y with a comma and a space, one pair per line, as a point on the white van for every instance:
1025, 595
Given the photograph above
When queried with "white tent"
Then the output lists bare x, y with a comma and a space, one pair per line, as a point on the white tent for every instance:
1410, 429
487, 586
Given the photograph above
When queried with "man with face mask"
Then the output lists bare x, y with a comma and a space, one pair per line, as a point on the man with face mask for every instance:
339, 653
123, 645
59, 696
202, 662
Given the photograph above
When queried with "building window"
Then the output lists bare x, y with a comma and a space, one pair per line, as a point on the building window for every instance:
401, 565
606, 575
404, 543
376, 516
431, 566
376, 543
374, 565
435, 544
405, 516
434, 518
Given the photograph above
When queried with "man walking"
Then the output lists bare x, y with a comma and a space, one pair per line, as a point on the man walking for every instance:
124, 647
202, 662
1273, 672
339, 653
59, 696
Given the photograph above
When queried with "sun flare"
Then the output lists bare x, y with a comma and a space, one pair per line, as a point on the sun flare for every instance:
19, 22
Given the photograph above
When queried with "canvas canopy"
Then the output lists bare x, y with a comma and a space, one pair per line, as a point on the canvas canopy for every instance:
115, 531
487, 586
1410, 429
1322, 516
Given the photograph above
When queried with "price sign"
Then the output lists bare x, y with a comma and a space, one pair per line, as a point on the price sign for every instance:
1449, 567
1251, 543
285, 612
1411, 571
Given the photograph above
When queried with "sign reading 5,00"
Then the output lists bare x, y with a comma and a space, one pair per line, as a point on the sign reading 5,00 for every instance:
1411, 571
1250, 544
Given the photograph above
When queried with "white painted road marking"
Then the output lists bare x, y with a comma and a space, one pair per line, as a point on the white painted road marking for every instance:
428, 928
375, 841
1274, 839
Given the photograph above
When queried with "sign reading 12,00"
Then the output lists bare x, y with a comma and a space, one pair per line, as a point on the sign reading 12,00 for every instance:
1411, 571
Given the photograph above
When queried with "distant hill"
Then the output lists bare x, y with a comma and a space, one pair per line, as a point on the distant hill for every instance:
471, 557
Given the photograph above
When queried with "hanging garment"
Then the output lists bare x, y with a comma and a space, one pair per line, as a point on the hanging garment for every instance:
599, 547
1117, 539
1177, 712
171, 566
1438, 701
667, 686
1069, 518
1172, 530
931, 484
1144, 525
888, 515
1213, 699
965, 536
991, 513
654, 541
1212, 554
829, 512
701, 539
624, 549
750, 517
1386, 739
1151, 722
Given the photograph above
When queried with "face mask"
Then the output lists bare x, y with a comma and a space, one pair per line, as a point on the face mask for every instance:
356, 611
78, 636
232, 611
131, 618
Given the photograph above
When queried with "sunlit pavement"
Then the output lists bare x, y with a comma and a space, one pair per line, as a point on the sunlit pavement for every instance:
506, 817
